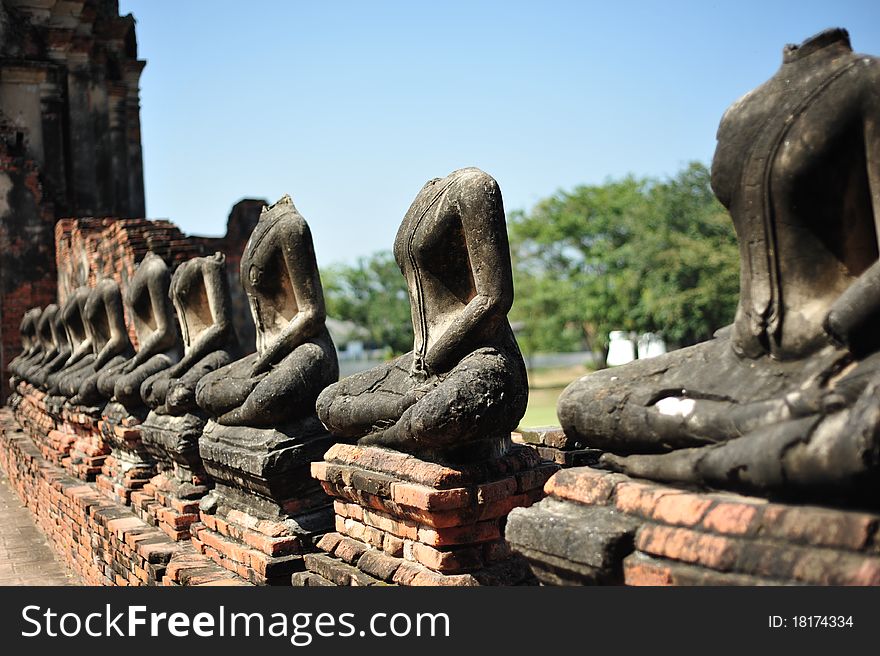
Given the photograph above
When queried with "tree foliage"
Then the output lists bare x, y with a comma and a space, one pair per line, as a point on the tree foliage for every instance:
632, 254
372, 294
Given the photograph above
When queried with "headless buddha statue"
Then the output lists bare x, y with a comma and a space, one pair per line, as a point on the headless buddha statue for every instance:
785, 400
29, 345
461, 390
200, 294
60, 349
158, 345
105, 324
81, 354
295, 357
47, 344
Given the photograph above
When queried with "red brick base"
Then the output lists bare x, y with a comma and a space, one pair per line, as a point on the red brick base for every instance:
100, 539
157, 505
597, 527
405, 521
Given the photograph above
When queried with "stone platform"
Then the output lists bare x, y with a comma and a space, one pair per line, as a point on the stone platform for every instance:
265, 511
401, 520
601, 528
554, 445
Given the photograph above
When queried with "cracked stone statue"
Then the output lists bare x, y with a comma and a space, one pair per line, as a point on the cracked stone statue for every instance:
108, 337
60, 350
80, 351
158, 342
784, 401
30, 345
461, 390
276, 387
47, 344
200, 294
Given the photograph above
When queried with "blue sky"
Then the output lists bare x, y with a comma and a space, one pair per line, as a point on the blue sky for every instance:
351, 106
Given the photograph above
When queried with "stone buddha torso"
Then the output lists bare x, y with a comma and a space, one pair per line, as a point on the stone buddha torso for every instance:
432, 252
790, 166
295, 356
462, 389
785, 402
158, 342
105, 326
200, 296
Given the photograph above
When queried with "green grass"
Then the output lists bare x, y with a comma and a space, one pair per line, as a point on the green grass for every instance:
545, 386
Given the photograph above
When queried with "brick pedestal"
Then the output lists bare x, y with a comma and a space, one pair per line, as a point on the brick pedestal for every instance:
554, 445
98, 537
40, 415
171, 499
265, 510
405, 521
596, 527
129, 466
88, 450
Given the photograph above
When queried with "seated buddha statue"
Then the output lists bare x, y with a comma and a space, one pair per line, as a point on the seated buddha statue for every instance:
784, 401
105, 324
158, 344
47, 344
81, 354
29, 345
295, 357
60, 350
462, 389
200, 294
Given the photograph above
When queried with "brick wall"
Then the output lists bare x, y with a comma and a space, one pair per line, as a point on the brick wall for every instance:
100, 539
597, 527
88, 248
27, 262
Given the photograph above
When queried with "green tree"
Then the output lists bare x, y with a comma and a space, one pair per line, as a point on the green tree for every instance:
372, 294
631, 254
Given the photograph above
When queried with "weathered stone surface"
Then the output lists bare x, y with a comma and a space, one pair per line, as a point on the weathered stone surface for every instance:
295, 359
269, 464
158, 342
572, 544
200, 293
463, 388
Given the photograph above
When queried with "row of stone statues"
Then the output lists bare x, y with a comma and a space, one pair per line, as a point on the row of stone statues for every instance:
459, 393
82, 351
784, 401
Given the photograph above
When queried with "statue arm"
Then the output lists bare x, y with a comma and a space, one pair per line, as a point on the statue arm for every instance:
302, 267
79, 352
118, 333
163, 337
217, 335
482, 218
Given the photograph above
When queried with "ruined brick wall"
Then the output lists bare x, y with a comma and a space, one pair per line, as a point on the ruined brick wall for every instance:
27, 263
89, 249
70, 141
69, 81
